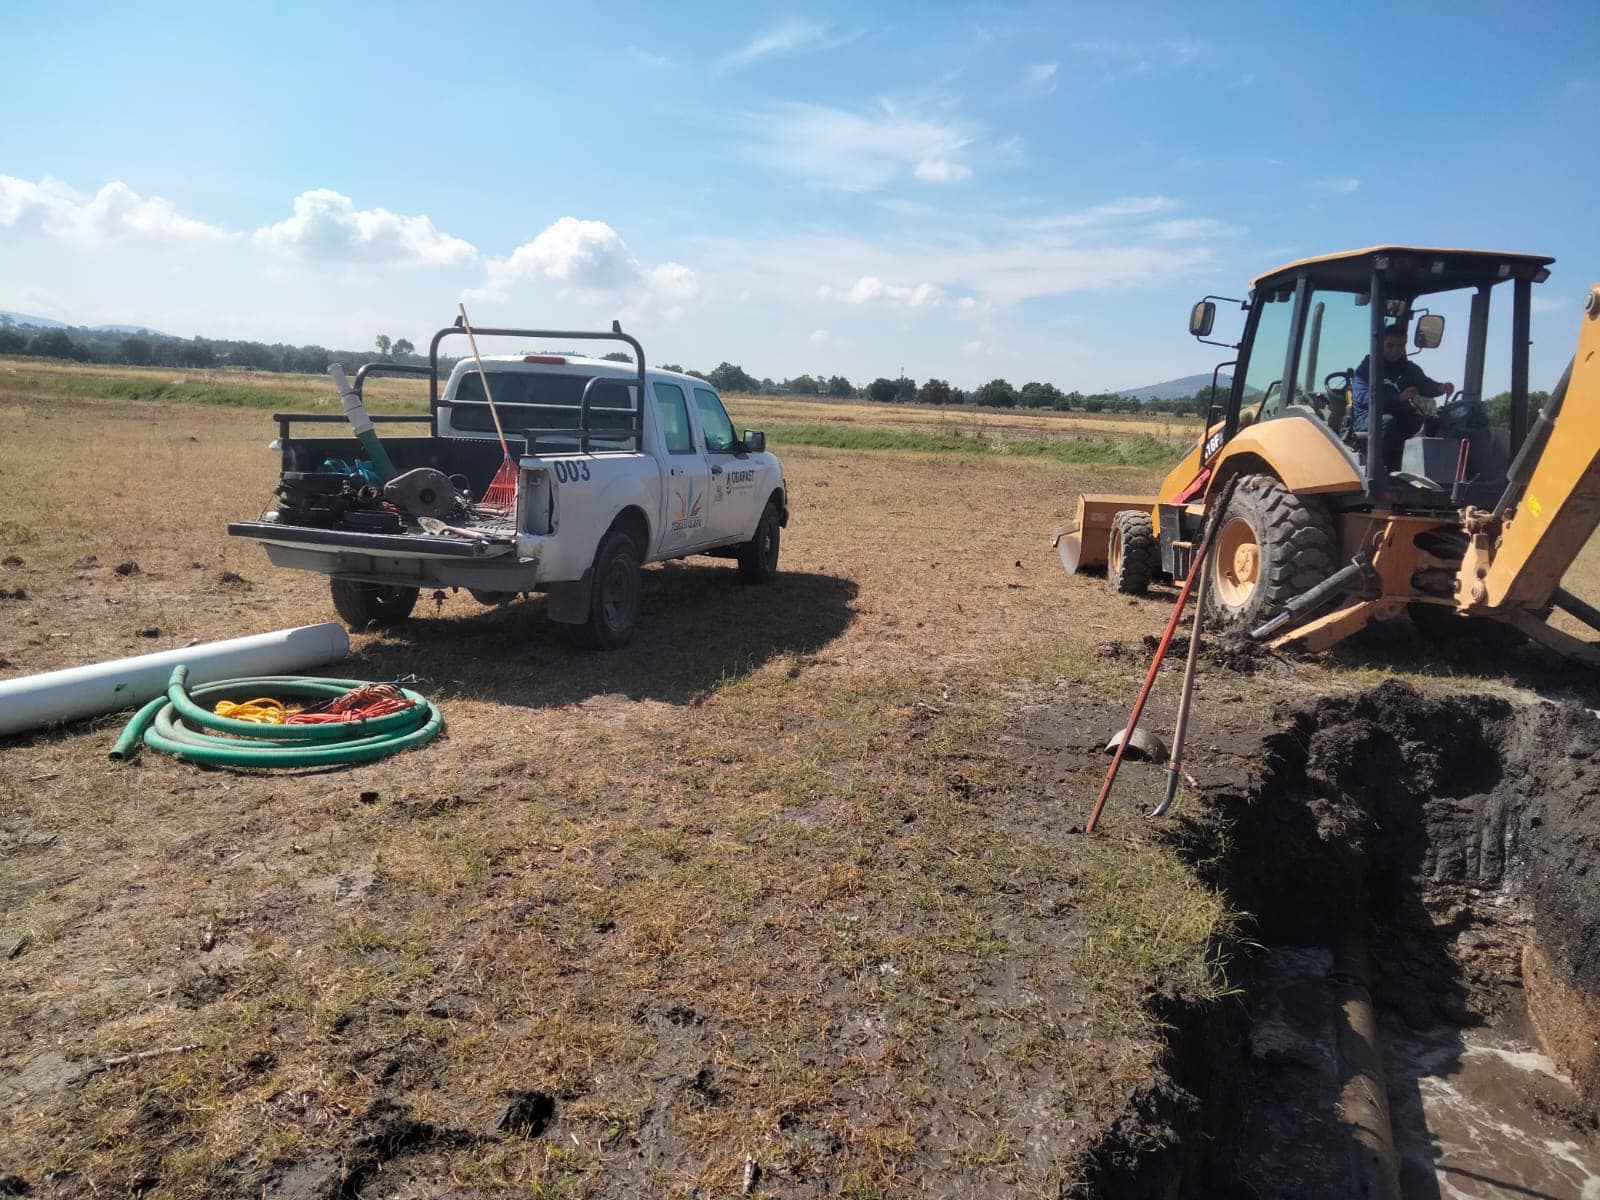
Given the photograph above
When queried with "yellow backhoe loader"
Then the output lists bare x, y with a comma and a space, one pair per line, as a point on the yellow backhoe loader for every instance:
1341, 501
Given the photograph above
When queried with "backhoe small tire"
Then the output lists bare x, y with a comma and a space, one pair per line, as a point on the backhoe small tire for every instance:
371, 605
758, 558
615, 584
1296, 548
1133, 557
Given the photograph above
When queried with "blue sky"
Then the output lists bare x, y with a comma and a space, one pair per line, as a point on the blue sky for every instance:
970, 191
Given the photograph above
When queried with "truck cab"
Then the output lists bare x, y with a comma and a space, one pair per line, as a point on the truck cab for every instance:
617, 465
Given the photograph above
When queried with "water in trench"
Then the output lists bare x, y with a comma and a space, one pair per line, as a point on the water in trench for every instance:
1447, 834
1475, 1113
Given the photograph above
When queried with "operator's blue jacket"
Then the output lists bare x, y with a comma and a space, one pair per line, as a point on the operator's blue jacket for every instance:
1397, 375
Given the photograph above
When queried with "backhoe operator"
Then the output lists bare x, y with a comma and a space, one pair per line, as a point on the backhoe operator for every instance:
1403, 383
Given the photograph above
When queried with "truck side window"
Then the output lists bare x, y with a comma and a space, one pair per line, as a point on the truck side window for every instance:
673, 410
714, 421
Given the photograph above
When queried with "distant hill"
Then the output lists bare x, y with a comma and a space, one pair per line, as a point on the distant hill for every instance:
47, 323
1174, 389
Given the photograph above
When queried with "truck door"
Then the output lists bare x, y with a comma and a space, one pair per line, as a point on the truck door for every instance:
733, 478
685, 474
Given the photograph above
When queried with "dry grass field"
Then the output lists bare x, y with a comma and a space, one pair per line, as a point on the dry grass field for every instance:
796, 878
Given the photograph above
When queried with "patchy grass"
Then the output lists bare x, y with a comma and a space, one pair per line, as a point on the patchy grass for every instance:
1142, 450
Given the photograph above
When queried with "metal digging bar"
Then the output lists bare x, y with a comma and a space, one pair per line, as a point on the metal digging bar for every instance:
1212, 520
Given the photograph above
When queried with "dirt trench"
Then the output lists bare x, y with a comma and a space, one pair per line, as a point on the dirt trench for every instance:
1454, 839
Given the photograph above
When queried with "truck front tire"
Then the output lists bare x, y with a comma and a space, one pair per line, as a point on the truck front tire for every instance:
372, 605
613, 595
758, 558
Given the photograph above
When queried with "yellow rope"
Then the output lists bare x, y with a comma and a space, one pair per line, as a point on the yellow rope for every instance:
261, 711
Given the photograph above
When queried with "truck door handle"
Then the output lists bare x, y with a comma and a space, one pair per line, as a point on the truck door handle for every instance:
675, 471
716, 470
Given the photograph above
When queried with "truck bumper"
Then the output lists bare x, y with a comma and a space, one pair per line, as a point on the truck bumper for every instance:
410, 560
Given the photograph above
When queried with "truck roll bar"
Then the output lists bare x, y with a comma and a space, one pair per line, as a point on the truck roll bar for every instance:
615, 334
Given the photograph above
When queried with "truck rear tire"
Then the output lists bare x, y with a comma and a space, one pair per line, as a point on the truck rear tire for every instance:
1271, 547
372, 605
613, 595
758, 558
1132, 555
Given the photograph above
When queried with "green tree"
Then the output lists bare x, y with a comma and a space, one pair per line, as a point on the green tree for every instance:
840, 387
12, 342
1040, 395
613, 356
384, 345
253, 355
997, 393
197, 353
403, 347
935, 391
730, 378
804, 385
882, 391
138, 351
905, 389
55, 343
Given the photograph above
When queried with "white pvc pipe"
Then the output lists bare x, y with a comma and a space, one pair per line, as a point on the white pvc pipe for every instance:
77, 692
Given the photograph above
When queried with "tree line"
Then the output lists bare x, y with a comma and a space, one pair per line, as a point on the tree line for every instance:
151, 349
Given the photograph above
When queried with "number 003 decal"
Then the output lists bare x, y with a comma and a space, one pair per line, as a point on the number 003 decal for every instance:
570, 472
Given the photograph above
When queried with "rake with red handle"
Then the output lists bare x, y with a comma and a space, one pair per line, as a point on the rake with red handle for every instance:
502, 493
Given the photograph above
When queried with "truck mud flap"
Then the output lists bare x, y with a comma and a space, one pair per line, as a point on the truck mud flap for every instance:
387, 545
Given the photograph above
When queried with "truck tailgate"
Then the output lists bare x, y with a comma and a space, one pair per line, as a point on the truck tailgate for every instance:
388, 545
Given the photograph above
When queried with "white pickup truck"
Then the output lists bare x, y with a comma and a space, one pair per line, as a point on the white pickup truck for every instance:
617, 465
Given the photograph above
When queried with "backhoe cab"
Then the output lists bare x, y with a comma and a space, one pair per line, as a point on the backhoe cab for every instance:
1328, 522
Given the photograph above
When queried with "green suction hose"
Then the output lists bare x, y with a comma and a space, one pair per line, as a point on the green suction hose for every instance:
172, 724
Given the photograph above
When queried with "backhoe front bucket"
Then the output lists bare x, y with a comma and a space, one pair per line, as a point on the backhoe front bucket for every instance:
1083, 545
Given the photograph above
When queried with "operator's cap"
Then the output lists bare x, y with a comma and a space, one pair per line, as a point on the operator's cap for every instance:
1396, 330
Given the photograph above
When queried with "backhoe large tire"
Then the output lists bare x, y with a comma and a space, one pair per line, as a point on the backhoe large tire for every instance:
1272, 546
1132, 555
371, 605
615, 585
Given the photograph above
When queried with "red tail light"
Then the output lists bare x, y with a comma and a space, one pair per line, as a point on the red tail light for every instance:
554, 360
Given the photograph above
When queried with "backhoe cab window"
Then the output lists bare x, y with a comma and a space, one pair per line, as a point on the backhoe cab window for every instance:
1263, 380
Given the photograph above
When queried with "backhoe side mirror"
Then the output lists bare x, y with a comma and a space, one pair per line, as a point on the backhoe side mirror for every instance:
1201, 318
1430, 331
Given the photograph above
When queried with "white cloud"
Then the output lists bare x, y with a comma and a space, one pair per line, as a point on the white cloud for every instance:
977, 347
1040, 76
649, 58
942, 170
858, 151
819, 337
1190, 227
793, 37
115, 213
1334, 187
591, 259
1110, 212
328, 226
869, 289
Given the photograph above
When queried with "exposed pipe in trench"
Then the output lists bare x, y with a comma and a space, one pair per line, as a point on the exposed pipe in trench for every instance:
1364, 1099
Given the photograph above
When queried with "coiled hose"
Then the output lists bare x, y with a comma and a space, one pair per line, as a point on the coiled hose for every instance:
173, 723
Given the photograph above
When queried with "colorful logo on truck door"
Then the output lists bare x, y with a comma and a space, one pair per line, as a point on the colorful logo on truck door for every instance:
688, 515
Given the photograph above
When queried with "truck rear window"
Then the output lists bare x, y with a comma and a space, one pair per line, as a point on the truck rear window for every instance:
531, 401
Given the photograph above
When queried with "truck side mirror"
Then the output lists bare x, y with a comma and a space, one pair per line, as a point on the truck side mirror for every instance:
1430, 331
1201, 318
754, 441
